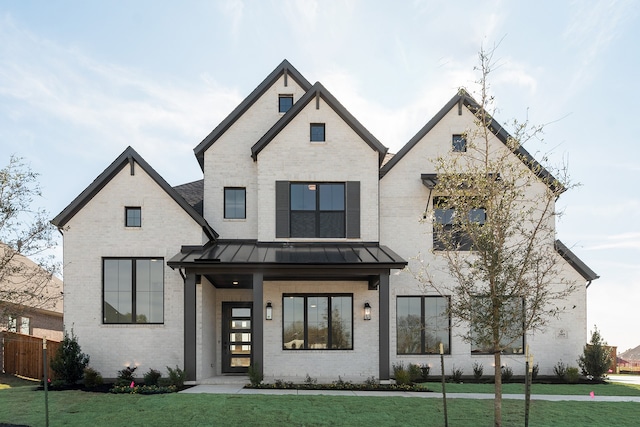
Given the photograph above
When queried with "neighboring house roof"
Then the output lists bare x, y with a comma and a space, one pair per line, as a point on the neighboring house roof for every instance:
193, 193
460, 99
285, 68
575, 262
127, 158
319, 91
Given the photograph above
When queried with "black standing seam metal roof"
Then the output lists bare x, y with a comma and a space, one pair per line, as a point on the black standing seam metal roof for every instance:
320, 91
279, 254
284, 67
463, 97
575, 262
128, 156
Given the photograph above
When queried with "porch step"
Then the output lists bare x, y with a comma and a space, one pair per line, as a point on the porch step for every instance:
226, 379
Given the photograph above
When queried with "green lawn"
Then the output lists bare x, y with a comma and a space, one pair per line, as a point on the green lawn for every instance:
21, 404
611, 389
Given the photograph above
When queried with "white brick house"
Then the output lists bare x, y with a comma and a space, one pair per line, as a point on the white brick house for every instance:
284, 256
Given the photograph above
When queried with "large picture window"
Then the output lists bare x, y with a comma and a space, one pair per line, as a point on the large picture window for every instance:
317, 322
422, 324
133, 290
511, 326
317, 210
445, 232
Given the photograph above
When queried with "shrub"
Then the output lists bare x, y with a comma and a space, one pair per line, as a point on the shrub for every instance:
596, 359
255, 374
535, 370
507, 373
572, 375
415, 373
401, 375
425, 372
92, 378
456, 375
125, 376
151, 377
69, 361
560, 370
177, 376
371, 382
310, 380
478, 370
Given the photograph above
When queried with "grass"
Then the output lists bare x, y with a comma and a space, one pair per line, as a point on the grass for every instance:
21, 404
610, 389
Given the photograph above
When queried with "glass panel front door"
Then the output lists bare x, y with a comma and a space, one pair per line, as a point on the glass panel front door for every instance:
236, 334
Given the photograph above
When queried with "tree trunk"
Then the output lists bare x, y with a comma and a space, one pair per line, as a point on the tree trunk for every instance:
497, 401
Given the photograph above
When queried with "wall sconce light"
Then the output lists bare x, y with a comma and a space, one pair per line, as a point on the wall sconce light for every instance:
367, 311
268, 311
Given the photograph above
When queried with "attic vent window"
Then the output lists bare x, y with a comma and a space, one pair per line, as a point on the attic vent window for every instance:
317, 132
285, 102
133, 217
459, 143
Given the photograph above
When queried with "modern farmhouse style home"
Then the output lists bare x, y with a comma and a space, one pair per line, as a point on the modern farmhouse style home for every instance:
288, 255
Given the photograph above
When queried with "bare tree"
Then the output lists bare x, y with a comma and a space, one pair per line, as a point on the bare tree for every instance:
25, 238
493, 217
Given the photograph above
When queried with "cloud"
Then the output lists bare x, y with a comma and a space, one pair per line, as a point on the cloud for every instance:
619, 241
233, 11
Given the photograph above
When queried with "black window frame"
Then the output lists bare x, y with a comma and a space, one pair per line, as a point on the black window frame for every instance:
320, 215
283, 108
462, 241
315, 136
424, 348
305, 338
244, 193
137, 219
134, 290
458, 143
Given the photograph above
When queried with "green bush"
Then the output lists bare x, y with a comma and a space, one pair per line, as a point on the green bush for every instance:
425, 372
92, 378
596, 359
456, 375
560, 370
69, 361
125, 376
535, 370
415, 373
177, 376
507, 373
255, 374
310, 381
401, 375
478, 370
572, 375
151, 377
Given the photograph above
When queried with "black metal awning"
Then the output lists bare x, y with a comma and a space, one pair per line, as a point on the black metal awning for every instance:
232, 263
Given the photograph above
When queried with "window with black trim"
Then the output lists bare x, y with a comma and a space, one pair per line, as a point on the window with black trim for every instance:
422, 323
317, 322
511, 326
317, 132
459, 143
133, 216
235, 203
446, 235
285, 102
317, 209
133, 290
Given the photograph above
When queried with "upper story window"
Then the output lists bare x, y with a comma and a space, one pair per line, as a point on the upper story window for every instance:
317, 132
422, 324
133, 290
459, 143
235, 205
133, 217
285, 102
317, 210
445, 233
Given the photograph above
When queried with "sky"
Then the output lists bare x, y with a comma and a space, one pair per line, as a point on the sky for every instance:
80, 81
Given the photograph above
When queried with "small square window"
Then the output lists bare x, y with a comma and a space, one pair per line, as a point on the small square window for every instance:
317, 132
285, 102
133, 217
459, 143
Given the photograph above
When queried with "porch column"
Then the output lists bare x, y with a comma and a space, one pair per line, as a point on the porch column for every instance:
384, 326
190, 326
258, 322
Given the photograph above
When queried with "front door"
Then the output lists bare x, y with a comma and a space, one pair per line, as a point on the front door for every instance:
236, 336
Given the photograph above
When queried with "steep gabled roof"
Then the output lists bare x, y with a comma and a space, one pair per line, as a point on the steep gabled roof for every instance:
575, 262
460, 99
193, 193
319, 91
285, 68
127, 158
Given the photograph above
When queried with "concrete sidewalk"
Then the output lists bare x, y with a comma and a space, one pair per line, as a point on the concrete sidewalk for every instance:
239, 389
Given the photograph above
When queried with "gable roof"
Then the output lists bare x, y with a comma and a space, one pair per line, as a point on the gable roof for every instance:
460, 99
128, 157
285, 68
575, 262
320, 91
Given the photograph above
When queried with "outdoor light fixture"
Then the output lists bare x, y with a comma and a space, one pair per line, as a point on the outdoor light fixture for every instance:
367, 311
268, 311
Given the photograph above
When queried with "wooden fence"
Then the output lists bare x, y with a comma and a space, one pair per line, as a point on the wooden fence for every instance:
22, 355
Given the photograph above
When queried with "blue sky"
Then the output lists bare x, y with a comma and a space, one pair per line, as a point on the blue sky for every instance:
80, 81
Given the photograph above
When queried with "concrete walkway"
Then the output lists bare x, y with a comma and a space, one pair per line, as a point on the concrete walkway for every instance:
239, 389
